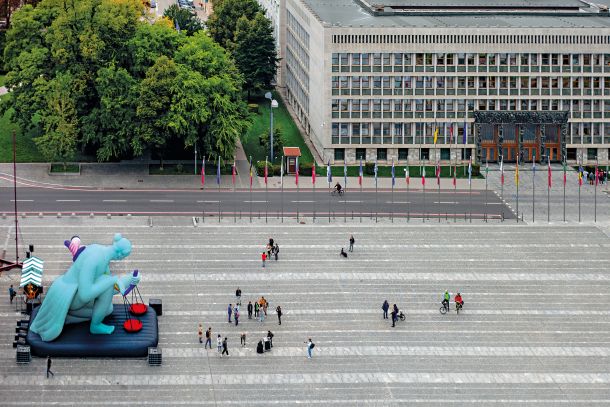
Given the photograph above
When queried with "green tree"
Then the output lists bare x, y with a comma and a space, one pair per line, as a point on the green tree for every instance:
154, 107
254, 52
58, 143
222, 23
278, 143
184, 18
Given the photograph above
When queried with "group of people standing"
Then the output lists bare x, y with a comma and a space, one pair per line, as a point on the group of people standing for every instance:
589, 176
395, 312
272, 249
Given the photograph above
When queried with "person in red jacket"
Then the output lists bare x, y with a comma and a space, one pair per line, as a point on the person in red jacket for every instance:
263, 258
459, 300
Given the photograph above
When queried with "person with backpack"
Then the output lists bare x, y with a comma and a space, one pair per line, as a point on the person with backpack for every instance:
276, 251
12, 293
250, 309
236, 315
310, 346
351, 243
208, 338
225, 347
256, 309
238, 296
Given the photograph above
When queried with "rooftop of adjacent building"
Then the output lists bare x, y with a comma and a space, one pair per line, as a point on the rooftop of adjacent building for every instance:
456, 13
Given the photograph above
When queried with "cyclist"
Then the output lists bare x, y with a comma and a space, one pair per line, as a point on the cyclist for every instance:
338, 188
446, 298
458, 300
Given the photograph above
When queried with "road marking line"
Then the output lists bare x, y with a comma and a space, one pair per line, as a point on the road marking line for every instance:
208, 201
257, 201
446, 202
23, 200
354, 201
114, 200
395, 202
67, 200
161, 200
303, 201
494, 203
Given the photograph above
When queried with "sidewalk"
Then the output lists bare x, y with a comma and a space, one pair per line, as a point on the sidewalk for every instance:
135, 176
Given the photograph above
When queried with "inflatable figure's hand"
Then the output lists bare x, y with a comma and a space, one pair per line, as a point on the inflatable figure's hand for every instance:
126, 281
135, 280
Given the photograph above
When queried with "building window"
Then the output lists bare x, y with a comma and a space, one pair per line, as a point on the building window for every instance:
466, 153
382, 154
339, 154
361, 154
445, 154
403, 154
424, 154
591, 153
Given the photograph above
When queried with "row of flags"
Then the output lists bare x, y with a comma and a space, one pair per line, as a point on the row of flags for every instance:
464, 135
329, 176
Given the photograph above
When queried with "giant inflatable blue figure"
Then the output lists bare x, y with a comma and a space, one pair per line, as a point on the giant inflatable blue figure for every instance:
85, 291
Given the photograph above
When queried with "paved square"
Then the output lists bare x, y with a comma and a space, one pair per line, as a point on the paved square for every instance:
534, 330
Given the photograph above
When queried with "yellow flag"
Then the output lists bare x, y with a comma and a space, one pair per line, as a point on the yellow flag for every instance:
517, 173
435, 135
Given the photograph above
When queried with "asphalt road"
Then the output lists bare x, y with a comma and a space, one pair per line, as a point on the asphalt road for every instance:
415, 203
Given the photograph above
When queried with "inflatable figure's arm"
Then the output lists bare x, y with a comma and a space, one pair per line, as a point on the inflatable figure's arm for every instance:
125, 282
88, 288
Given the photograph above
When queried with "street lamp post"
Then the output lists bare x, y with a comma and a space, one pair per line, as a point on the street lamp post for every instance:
274, 105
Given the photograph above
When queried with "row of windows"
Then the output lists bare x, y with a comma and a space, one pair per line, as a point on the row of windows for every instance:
423, 133
297, 29
468, 39
381, 154
297, 49
399, 108
297, 90
296, 67
468, 59
359, 83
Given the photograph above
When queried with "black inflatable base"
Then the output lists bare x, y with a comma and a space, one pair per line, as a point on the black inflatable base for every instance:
77, 341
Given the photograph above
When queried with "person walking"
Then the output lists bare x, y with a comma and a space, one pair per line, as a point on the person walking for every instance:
229, 312
351, 243
256, 309
242, 339
276, 251
278, 311
200, 333
265, 305
250, 309
263, 258
238, 296
219, 345
49, 363
394, 315
385, 307
11, 293
208, 338
236, 315
261, 315
225, 347
310, 346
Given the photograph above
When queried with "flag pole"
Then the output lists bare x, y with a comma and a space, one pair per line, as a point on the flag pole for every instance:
313, 189
218, 182
361, 180
486, 177
438, 181
250, 189
344, 189
455, 189
548, 192
376, 196
423, 181
579, 185
408, 180
502, 183
517, 182
233, 172
564, 188
534, 186
595, 204
470, 186
282, 188
297, 181
266, 191
392, 208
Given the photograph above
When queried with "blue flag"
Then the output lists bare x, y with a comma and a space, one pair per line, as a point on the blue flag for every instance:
218, 172
329, 175
393, 174
376, 169
345, 172
469, 170
534, 163
465, 133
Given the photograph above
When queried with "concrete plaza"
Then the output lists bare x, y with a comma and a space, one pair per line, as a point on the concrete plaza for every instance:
534, 330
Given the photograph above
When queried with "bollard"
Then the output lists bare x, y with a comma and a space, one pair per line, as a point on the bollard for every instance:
40, 214
108, 216
23, 215
129, 216
91, 215
59, 214
73, 215
150, 222
4, 216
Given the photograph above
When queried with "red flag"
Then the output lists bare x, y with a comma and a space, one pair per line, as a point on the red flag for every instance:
423, 176
313, 173
596, 175
451, 134
233, 172
438, 173
203, 172
454, 174
266, 172
550, 175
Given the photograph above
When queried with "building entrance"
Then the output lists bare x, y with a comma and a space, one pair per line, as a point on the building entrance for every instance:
523, 135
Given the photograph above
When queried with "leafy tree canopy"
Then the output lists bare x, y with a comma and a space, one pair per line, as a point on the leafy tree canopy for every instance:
183, 19
222, 24
95, 74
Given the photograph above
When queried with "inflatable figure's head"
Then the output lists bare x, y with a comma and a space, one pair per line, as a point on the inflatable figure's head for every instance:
121, 246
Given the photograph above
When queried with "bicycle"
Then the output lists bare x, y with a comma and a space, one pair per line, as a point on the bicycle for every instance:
458, 307
444, 308
401, 316
335, 192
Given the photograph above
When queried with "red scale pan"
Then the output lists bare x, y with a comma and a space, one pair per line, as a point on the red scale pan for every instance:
135, 308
